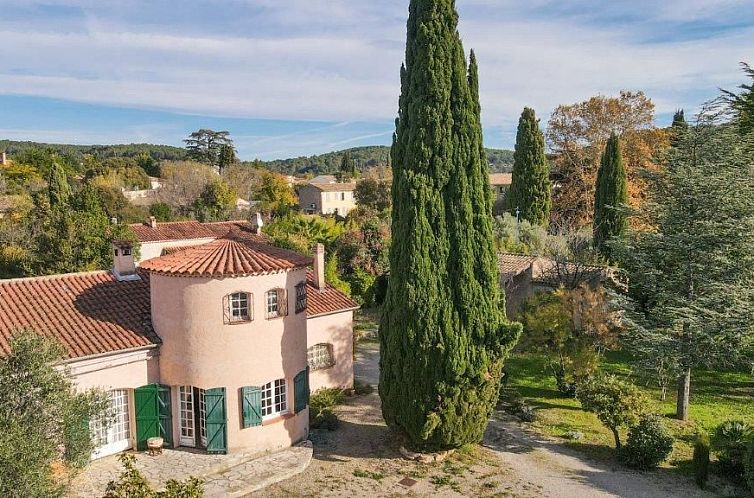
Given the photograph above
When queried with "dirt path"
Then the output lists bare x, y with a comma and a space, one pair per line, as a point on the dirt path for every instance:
361, 458
563, 472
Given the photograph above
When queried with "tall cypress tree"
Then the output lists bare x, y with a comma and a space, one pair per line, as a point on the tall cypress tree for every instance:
530, 189
611, 195
678, 127
443, 333
58, 188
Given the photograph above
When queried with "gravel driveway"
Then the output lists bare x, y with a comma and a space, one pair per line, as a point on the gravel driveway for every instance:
361, 459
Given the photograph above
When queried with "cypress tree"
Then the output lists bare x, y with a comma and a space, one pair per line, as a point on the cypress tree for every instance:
678, 127
530, 190
443, 333
611, 194
58, 188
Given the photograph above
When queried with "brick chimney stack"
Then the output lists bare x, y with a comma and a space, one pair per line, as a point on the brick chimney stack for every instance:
319, 266
152, 222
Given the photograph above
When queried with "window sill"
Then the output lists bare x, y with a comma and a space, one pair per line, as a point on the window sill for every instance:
239, 322
276, 419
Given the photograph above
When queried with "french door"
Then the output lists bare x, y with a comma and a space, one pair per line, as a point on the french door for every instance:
193, 416
116, 436
188, 429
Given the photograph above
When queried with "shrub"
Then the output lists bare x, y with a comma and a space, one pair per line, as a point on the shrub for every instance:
325, 419
749, 468
321, 415
730, 443
132, 484
615, 402
362, 388
649, 444
701, 459
326, 398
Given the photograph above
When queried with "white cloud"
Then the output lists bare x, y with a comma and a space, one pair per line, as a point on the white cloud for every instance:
338, 60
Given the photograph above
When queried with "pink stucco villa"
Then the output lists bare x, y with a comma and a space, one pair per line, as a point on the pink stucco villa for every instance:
211, 339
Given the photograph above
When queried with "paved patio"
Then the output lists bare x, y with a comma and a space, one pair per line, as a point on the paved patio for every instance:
224, 475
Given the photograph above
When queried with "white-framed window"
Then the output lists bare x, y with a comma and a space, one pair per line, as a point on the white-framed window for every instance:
238, 307
277, 304
186, 402
274, 398
342, 196
320, 356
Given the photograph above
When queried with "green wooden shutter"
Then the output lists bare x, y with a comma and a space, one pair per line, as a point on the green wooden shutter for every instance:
216, 420
154, 416
301, 390
147, 417
251, 406
165, 414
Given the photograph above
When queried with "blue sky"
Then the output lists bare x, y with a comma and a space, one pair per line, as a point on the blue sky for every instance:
299, 77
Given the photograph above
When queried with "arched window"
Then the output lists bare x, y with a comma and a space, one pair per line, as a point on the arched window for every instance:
320, 356
237, 307
277, 303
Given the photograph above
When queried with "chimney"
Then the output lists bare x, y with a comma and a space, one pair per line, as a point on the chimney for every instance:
257, 223
124, 264
319, 266
4, 159
152, 222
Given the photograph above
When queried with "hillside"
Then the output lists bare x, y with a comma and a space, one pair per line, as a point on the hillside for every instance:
158, 152
366, 157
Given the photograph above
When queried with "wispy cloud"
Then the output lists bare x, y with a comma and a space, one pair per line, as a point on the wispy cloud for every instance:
336, 61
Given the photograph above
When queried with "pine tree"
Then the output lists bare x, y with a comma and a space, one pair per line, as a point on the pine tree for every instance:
691, 277
58, 188
443, 333
530, 190
611, 195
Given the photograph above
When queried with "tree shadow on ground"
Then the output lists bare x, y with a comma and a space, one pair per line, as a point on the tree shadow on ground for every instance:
370, 438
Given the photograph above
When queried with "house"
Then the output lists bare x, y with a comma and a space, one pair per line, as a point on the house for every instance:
522, 275
320, 196
501, 184
213, 345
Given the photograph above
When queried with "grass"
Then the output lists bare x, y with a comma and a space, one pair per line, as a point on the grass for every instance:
367, 474
715, 397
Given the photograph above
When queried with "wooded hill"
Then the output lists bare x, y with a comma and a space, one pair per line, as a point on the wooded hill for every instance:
366, 157
77, 152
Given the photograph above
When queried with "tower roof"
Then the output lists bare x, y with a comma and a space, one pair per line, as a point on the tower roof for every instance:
226, 257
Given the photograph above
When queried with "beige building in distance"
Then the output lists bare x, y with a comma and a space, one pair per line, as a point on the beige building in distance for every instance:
324, 195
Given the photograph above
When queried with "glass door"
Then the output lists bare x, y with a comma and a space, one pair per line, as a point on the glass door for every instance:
116, 436
202, 418
186, 402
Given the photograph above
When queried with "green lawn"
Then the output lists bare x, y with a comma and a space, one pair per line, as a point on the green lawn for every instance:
715, 397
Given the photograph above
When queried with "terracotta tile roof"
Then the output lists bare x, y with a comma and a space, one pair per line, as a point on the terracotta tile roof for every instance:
334, 187
238, 256
183, 230
325, 301
501, 178
88, 313
511, 265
